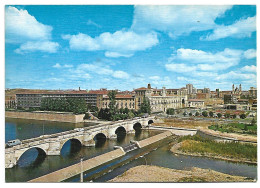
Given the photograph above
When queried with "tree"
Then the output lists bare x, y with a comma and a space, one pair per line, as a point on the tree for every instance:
170, 111
190, 114
197, 114
145, 106
184, 113
227, 115
242, 116
253, 122
219, 115
112, 104
205, 113
211, 114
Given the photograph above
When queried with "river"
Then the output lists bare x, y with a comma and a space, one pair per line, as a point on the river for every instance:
30, 166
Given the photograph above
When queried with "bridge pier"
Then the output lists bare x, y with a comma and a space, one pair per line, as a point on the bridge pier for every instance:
89, 143
10, 160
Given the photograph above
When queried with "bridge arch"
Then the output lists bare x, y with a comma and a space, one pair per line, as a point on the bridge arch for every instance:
100, 139
120, 133
137, 127
40, 156
150, 121
74, 142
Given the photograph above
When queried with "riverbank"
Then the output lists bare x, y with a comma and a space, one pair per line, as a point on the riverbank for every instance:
147, 173
46, 116
197, 146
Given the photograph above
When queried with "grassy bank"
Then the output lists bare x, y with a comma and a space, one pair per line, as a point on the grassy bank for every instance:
205, 147
235, 128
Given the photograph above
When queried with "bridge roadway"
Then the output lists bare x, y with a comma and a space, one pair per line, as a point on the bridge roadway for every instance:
53, 143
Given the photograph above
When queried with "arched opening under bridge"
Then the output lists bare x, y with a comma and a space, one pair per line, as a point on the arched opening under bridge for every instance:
31, 157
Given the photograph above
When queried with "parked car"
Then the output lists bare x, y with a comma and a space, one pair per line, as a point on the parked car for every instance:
12, 143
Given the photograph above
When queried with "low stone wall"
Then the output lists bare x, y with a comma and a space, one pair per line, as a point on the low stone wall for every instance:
61, 117
74, 170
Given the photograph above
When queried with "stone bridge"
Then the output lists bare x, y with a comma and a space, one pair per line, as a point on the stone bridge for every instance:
52, 144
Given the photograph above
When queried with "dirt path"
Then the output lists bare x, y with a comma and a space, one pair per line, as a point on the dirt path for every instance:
146, 173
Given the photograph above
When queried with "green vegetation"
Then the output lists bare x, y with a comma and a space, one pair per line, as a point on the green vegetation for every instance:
197, 144
211, 114
145, 106
197, 114
219, 115
236, 128
170, 111
75, 105
243, 116
205, 113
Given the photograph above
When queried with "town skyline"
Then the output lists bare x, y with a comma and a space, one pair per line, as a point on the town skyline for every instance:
126, 47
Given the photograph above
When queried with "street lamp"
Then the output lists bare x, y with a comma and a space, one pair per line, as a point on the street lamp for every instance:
144, 159
81, 170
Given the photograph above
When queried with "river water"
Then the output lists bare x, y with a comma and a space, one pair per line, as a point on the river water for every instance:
30, 166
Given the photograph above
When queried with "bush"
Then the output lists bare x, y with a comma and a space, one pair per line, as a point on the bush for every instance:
219, 115
205, 113
243, 116
211, 114
197, 114
170, 111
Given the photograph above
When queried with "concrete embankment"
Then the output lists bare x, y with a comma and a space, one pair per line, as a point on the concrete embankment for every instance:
74, 170
46, 116
71, 171
154, 139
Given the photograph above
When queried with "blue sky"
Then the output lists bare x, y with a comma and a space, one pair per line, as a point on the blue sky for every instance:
126, 47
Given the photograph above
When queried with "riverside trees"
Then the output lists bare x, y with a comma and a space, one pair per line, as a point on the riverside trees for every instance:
75, 105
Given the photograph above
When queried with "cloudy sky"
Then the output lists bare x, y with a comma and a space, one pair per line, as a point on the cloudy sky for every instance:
126, 47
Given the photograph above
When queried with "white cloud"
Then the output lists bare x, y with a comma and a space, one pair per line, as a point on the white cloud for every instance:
154, 77
23, 28
68, 66
121, 43
180, 68
176, 20
120, 74
90, 22
240, 29
204, 61
247, 68
100, 69
57, 65
20, 26
43, 46
233, 75
250, 54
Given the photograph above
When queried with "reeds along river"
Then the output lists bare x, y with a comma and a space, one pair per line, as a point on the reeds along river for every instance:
30, 166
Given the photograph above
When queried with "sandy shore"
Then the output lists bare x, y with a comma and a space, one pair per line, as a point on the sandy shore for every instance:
146, 173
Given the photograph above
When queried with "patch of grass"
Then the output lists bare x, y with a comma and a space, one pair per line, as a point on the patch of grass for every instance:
197, 144
235, 128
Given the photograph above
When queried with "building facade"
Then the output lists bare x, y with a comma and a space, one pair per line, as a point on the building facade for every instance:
160, 99
33, 99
